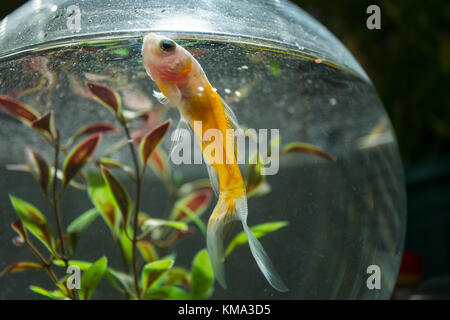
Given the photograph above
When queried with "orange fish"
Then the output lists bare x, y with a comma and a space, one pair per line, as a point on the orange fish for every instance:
183, 83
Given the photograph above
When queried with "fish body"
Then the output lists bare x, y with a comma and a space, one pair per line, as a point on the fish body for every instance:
184, 84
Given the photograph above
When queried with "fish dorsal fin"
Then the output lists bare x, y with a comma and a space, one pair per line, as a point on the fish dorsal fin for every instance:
160, 97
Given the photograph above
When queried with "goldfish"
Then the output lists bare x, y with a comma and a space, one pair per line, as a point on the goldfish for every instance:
183, 84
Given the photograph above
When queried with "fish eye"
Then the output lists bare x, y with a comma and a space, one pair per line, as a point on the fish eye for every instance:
167, 45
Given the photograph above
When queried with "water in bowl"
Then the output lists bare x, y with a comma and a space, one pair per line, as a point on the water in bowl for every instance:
343, 216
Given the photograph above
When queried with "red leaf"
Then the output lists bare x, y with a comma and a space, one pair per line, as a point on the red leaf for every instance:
21, 266
306, 148
158, 162
93, 128
79, 156
119, 194
150, 118
200, 200
197, 202
38, 167
98, 127
106, 96
109, 163
182, 234
20, 229
18, 110
151, 141
17, 241
45, 124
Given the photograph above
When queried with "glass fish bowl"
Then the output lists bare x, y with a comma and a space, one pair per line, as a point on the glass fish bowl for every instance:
93, 205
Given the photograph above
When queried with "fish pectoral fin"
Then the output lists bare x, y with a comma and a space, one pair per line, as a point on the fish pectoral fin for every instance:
259, 254
160, 97
181, 135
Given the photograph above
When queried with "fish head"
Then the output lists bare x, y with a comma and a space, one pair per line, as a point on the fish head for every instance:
164, 60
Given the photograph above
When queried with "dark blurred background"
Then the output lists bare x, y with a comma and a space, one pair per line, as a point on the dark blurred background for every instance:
408, 60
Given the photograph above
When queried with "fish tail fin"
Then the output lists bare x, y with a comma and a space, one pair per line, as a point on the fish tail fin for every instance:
221, 216
226, 211
259, 254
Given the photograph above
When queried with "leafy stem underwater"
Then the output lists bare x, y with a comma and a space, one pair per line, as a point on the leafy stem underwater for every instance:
151, 276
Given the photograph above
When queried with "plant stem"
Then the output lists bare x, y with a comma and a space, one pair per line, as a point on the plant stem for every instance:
42, 260
115, 148
46, 265
122, 255
136, 206
55, 202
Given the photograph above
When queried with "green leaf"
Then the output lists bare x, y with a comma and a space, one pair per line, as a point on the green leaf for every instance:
55, 295
151, 141
117, 279
120, 195
151, 224
126, 244
21, 266
254, 176
176, 276
107, 96
91, 277
275, 143
147, 250
202, 276
124, 51
261, 190
83, 265
121, 281
34, 221
79, 225
258, 230
153, 271
167, 293
79, 156
102, 199
274, 67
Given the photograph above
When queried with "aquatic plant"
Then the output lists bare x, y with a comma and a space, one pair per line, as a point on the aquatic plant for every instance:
150, 276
